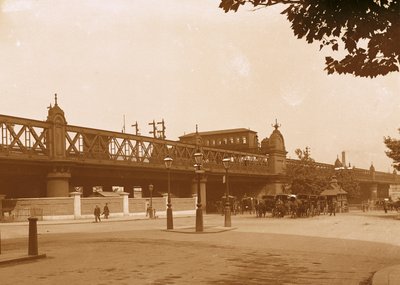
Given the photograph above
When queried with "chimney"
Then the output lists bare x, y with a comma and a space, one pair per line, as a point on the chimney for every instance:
344, 159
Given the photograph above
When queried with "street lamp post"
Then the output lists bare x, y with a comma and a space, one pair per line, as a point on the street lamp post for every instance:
150, 209
170, 224
227, 210
198, 156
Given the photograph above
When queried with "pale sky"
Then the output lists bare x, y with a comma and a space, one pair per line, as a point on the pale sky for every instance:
189, 63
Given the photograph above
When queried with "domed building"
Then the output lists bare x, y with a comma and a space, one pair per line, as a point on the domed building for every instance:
274, 147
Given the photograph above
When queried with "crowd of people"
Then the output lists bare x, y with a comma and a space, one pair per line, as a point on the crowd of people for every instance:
296, 208
278, 206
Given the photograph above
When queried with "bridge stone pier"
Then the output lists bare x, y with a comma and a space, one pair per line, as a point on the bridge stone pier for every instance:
58, 183
373, 190
374, 184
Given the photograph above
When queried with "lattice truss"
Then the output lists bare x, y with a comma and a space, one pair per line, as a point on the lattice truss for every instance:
120, 147
28, 137
87, 144
23, 138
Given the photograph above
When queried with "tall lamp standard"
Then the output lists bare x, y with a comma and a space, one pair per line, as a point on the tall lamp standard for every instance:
227, 210
170, 224
150, 209
198, 157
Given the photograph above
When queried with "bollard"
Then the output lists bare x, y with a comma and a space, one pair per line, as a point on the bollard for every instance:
33, 241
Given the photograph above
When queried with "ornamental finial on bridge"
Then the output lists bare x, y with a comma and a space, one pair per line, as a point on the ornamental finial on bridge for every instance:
55, 99
276, 126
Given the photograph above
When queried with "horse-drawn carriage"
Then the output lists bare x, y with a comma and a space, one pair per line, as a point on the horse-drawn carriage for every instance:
275, 204
281, 205
306, 205
247, 205
300, 205
232, 204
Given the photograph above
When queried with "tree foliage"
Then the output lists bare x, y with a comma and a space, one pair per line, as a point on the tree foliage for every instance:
367, 31
305, 177
394, 150
346, 180
309, 178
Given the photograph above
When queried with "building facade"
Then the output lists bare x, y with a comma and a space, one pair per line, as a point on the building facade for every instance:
240, 139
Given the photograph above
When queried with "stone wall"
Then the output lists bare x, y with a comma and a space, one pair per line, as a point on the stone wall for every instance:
137, 205
64, 208
183, 204
58, 208
88, 205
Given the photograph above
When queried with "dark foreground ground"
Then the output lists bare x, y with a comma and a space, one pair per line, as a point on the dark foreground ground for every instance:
258, 251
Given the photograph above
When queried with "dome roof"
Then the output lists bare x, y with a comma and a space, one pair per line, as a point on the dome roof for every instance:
372, 168
276, 140
338, 163
55, 113
333, 188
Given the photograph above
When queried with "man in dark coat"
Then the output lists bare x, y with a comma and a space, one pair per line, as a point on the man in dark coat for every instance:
97, 214
106, 211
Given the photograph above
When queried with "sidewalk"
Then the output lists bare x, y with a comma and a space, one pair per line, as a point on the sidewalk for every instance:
387, 276
90, 220
10, 258
20, 229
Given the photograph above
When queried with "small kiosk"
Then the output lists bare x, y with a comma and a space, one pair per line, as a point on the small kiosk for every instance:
336, 193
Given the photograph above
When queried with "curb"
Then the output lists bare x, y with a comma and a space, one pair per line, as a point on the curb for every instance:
206, 230
88, 221
389, 275
10, 260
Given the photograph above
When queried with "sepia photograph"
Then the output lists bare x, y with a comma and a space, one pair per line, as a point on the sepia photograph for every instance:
219, 142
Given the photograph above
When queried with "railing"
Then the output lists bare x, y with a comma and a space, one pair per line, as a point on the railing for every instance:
23, 137
319, 165
386, 177
361, 175
27, 139
85, 144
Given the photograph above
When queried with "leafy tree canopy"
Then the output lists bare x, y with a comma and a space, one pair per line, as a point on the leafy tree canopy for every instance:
367, 31
394, 150
309, 177
346, 180
305, 176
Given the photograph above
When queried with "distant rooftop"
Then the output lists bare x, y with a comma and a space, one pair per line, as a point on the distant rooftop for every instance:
219, 132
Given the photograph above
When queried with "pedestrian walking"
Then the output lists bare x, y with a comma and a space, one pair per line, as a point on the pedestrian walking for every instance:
332, 208
97, 214
106, 211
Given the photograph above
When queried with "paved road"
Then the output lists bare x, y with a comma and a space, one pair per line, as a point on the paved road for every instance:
345, 249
